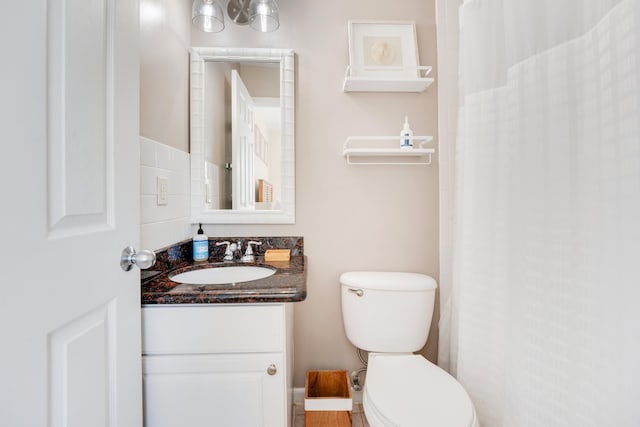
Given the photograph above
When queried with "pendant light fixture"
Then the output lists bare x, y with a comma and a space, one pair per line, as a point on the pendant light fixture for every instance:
261, 15
238, 11
207, 16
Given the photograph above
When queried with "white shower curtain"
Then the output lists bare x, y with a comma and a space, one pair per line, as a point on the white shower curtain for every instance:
541, 303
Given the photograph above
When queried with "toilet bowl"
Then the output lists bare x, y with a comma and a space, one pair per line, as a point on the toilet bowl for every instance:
408, 390
389, 315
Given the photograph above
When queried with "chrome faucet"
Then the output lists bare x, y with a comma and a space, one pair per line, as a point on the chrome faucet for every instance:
236, 248
248, 255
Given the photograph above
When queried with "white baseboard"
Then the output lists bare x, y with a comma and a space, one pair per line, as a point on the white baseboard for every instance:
298, 395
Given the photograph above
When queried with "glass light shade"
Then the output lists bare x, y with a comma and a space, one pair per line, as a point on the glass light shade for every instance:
263, 15
207, 16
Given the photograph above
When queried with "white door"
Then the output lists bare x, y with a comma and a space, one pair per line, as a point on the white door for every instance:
69, 316
242, 142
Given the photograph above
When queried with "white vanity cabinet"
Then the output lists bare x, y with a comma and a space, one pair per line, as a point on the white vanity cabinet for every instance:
217, 365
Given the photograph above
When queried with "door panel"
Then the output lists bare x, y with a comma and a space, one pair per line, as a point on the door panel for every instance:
69, 178
81, 387
79, 115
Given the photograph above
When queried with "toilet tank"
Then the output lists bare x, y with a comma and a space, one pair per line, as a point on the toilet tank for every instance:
387, 312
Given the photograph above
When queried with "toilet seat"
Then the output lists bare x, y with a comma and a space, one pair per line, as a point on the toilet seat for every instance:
407, 390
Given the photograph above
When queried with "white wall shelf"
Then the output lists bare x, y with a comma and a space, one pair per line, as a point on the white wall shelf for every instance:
385, 150
355, 81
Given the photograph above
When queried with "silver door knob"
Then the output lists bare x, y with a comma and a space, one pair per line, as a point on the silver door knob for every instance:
143, 259
272, 370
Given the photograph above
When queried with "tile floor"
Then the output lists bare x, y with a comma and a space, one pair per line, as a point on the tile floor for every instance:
357, 415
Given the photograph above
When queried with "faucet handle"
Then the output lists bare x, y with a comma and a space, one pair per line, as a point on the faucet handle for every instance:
228, 252
248, 255
249, 248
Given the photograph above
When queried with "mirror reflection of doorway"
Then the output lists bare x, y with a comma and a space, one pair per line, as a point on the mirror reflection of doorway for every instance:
243, 136
242, 145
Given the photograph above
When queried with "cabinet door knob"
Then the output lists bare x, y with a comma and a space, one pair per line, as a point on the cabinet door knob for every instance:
272, 370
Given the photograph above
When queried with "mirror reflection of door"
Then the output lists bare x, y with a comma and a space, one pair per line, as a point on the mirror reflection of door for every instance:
242, 143
242, 135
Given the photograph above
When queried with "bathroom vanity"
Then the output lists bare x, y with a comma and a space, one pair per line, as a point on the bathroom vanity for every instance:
219, 354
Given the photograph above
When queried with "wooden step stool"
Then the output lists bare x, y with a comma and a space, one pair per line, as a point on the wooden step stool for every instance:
327, 399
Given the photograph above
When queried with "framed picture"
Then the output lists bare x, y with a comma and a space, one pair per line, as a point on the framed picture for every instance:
383, 49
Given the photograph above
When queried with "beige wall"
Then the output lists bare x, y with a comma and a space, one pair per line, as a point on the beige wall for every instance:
164, 70
352, 218
261, 80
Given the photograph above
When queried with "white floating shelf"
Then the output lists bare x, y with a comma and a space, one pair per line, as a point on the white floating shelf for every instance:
410, 79
373, 150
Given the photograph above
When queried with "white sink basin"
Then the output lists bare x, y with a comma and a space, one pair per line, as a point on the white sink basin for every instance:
223, 275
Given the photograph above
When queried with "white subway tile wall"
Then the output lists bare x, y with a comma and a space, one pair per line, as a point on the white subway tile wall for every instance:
163, 225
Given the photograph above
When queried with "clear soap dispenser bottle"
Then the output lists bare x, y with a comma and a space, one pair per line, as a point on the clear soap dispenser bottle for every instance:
200, 245
406, 135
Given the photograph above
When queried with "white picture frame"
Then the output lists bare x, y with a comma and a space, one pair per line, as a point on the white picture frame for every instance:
383, 49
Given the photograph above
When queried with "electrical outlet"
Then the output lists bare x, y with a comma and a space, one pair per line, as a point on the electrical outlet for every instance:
162, 191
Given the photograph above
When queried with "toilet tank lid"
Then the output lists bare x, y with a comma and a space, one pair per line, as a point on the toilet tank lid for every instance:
388, 280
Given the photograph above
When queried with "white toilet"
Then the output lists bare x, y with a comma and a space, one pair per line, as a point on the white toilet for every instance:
389, 315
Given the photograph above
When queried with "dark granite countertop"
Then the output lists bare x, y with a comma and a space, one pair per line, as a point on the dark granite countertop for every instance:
288, 284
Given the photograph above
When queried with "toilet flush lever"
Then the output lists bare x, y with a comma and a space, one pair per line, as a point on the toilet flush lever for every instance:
358, 292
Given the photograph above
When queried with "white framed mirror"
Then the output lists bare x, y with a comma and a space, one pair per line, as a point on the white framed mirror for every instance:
242, 135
